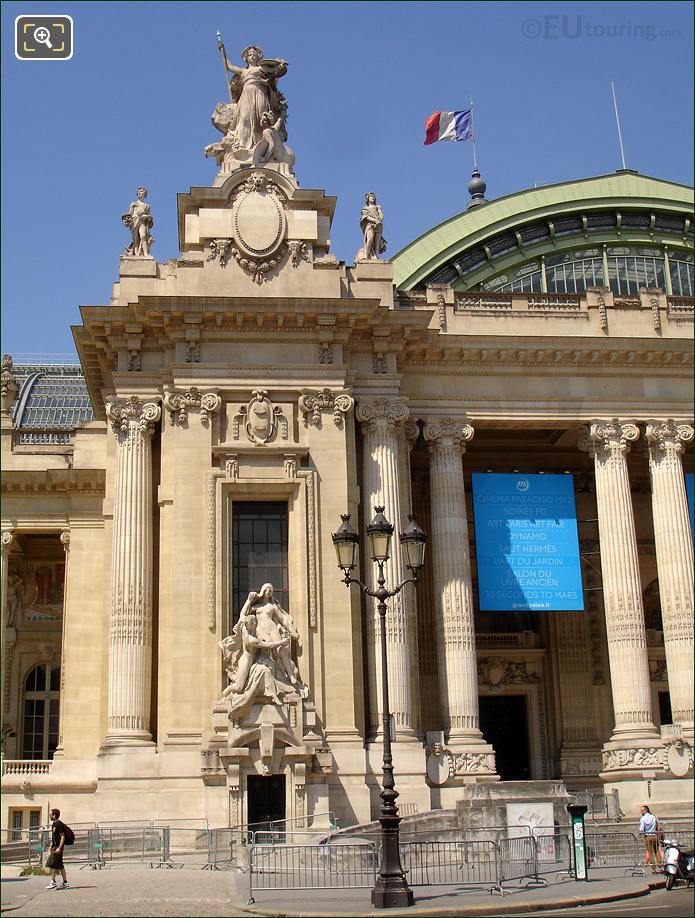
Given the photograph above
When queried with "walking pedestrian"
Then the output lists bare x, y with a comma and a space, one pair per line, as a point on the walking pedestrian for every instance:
649, 828
55, 858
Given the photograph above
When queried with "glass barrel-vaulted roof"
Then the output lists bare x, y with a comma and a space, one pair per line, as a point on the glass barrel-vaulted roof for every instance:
52, 394
495, 245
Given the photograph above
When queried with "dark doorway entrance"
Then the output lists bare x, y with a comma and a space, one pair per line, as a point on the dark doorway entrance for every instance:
503, 722
266, 800
665, 715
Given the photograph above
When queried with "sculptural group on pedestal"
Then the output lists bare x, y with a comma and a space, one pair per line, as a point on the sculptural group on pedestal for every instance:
253, 121
260, 654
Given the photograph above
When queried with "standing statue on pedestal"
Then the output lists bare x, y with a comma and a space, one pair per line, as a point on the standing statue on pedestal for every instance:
258, 654
372, 226
255, 114
139, 221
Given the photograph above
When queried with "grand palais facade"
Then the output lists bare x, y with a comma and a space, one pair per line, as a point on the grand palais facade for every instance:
232, 402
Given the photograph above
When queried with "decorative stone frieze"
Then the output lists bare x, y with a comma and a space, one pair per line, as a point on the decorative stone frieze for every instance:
674, 553
178, 404
495, 672
608, 442
311, 405
379, 418
443, 764
130, 641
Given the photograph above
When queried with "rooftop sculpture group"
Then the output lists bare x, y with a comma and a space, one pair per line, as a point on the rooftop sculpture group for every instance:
253, 121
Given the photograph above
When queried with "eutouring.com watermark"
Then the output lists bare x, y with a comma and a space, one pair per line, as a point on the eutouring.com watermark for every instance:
573, 27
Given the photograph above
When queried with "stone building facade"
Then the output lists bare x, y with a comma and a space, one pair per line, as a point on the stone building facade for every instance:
235, 400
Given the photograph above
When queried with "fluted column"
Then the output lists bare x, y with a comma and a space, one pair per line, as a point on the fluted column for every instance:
607, 441
455, 634
380, 419
674, 558
130, 644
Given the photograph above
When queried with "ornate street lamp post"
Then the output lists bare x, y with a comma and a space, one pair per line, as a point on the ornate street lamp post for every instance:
391, 889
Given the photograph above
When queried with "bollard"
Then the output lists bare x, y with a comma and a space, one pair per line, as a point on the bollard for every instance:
576, 811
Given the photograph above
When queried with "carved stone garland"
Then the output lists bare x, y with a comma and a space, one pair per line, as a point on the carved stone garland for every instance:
178, 404
312, 403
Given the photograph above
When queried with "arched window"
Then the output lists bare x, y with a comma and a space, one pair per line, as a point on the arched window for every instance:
41, 711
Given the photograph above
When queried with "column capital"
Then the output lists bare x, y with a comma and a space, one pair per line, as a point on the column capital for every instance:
132, 413
7, 540
65, 540
381, 412
609, 439
447, 433
667, 437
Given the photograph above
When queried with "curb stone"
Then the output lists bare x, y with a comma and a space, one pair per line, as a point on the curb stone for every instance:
472, 910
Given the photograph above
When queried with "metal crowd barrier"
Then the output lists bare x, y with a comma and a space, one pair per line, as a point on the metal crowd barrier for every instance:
616, 850
446, 863
518, 860
554, 855
311, 867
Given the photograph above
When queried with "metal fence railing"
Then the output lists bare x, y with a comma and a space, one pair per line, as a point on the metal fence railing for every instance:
623, 850
518, 859
311, 867
446, 863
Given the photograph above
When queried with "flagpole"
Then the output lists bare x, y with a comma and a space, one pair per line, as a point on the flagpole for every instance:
617, 121
475, 152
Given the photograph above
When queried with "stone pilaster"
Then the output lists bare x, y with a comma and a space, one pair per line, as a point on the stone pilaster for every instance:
580, 750
674, 556
455, 632
9, 633
130, 644
607, 441
430, 708
65, 542
380, 419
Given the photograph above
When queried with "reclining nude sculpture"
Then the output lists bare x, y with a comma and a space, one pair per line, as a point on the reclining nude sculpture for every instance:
258, 654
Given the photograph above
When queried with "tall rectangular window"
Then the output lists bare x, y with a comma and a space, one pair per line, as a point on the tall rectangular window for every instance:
259, 551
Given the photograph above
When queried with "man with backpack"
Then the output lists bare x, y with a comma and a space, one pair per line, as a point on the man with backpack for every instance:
61, 835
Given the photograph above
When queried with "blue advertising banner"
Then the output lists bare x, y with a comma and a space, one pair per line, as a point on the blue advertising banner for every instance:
526, 543
690, 490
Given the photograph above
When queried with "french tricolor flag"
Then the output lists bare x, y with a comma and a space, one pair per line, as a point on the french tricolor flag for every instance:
449, 126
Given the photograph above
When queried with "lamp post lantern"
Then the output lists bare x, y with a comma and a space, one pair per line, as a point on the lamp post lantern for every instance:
391, 889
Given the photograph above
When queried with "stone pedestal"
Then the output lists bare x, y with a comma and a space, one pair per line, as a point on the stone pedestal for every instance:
674, 556
455, 634
382, 487
635, 742
130, 640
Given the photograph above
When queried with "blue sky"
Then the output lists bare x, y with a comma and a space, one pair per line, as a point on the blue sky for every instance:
133, 107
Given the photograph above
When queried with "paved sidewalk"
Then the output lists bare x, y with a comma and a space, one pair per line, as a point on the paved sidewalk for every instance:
139, 891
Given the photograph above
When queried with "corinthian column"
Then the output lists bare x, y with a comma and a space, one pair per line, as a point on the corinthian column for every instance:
381, 419
608, 444
674, 557
455, 630
130, 645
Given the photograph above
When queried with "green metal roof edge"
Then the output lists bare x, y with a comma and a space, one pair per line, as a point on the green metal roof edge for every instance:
438, 245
